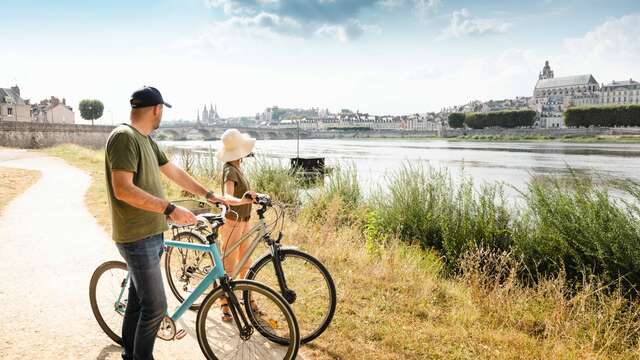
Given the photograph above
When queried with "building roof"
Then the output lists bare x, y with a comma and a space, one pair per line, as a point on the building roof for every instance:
623, 83
566, 81
4, 93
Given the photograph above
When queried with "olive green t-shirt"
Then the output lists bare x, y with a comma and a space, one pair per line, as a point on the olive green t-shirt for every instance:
129, 150
240, 186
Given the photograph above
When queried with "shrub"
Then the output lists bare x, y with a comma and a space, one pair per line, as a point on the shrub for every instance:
506, 119
339, 199
608, 116
456, 120
272, 177
579, 228
424, 206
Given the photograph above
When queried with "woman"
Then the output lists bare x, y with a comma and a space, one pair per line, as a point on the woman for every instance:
236, 191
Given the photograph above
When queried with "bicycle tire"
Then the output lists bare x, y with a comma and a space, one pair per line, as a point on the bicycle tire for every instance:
170, 272
100, 270
306, 335
293, 340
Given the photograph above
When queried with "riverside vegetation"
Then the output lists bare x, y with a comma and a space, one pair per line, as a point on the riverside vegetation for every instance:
433, 267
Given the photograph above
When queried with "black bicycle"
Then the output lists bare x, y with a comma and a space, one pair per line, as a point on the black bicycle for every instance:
304, 282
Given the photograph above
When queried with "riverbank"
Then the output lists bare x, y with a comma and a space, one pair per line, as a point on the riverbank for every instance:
603, 139
398, 297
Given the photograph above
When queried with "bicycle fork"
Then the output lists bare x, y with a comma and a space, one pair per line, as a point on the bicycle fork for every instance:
287, 293
243, 324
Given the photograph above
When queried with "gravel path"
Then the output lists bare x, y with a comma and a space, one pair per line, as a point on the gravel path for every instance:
50, 245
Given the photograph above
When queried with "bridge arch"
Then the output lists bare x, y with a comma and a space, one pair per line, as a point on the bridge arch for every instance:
170, 134
255, 134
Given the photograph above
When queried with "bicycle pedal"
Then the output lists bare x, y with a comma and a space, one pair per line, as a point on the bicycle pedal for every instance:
180, 334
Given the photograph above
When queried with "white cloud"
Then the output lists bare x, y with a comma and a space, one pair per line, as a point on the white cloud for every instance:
615, 39
423, 8
464, 24
344, 33
610, 51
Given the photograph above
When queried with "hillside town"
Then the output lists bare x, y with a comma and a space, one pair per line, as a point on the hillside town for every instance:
551, 96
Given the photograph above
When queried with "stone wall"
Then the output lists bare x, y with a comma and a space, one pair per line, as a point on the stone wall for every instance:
31, 135
363, 134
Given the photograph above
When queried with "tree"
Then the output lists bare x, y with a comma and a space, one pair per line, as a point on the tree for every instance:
606, 116
91, 109
456, 120
505, 119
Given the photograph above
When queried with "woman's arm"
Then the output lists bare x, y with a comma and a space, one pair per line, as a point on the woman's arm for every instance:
229, 187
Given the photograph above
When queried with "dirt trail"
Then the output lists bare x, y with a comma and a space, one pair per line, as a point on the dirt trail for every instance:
50, 245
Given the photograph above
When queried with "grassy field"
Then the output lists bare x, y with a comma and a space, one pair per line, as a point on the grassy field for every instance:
14, 182
399, 298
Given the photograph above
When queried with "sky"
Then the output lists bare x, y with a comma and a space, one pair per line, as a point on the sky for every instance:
375, 56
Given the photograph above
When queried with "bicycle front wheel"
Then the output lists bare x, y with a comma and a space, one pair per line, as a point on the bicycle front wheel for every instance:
311, 291
270, 319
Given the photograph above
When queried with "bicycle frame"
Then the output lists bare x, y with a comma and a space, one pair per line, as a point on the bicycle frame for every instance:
217, 272
260, 231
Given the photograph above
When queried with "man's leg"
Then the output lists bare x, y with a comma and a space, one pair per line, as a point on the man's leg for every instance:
143, 260
130, 322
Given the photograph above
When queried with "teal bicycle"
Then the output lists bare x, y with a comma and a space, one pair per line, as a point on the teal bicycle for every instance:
252, 333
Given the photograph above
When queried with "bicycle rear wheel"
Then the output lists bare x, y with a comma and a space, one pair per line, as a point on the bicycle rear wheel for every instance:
271, 320
312, 293
108, 292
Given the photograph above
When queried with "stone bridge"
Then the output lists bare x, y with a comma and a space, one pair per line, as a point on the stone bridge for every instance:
36, 135
206, 132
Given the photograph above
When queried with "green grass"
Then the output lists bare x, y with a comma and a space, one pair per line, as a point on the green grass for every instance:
392, 258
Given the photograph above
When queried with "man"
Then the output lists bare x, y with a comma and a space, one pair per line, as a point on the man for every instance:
133, 164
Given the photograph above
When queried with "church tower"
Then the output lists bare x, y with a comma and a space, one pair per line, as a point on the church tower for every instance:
205, 115
546, 73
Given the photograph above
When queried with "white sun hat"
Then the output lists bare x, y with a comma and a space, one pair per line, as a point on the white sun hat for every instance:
235, 145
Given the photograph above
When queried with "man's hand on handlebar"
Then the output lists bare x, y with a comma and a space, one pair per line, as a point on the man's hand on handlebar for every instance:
182, 216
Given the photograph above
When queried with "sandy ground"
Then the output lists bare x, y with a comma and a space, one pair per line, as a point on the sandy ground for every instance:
50, 245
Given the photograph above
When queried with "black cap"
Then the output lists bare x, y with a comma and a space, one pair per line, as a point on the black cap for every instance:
147, 96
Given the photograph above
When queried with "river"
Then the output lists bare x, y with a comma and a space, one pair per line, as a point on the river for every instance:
510, 162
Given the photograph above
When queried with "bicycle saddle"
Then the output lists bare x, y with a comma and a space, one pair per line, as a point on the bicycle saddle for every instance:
213, 219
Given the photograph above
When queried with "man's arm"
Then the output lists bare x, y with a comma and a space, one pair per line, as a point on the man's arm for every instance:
125, 190
185, 181
182, 179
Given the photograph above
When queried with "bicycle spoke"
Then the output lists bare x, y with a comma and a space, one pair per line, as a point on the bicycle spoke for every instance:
313, 299
225, 340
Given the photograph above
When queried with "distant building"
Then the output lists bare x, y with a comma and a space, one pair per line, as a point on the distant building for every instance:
210, 116
620, 92
553, 95
52, 110
12, 106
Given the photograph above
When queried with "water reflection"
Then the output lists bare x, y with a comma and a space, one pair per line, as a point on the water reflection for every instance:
511, 163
